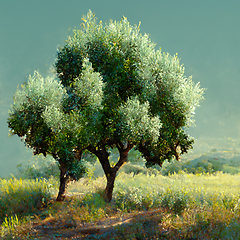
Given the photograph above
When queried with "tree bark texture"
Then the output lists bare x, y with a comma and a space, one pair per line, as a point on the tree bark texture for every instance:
111, 172
110, 185
63, 183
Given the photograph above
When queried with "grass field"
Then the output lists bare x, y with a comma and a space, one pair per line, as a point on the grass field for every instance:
147, 204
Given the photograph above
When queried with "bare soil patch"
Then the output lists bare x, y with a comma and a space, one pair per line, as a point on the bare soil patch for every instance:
52, 229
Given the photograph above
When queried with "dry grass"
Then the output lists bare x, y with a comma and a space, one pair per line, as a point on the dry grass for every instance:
180, 206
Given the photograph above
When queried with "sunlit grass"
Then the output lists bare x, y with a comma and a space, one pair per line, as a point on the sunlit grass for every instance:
18, 196
222, 190
188, 206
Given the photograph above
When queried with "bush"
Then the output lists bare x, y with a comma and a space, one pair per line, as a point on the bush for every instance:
135, 198
170, 167
94, 206
130, 199
230, 169
204, 164
38, 169
175, 200
133, 168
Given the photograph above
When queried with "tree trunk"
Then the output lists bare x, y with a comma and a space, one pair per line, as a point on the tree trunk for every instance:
176, 154
103, 157
63, 183
110, 185
123, 153
111, 172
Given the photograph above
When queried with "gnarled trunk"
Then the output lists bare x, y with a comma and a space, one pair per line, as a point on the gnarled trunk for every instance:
111, 172
110, 185
63, 184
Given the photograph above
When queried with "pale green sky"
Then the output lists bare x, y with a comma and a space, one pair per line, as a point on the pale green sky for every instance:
205, 34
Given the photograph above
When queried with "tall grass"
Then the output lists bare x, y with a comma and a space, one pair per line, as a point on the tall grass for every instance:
191, 205
177, 191
18, 196
201, 206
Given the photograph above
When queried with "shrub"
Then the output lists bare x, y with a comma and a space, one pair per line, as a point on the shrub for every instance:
133, 168
199, 165
94, 206
175, 200
230, 169
170, 167
38, 169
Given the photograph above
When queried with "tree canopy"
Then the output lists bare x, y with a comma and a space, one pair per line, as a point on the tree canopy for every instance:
113, 89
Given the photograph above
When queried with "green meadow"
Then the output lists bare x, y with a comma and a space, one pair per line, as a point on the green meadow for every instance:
196, 198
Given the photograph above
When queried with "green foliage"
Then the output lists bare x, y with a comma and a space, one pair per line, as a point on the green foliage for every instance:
135, 156
111, 52
94, 200
94, 205
230, 169
177, 201
131, 198
134, 169
25, 115
232, 231
141, 87
39, 168
170, 167
27, 120
204, 164
136, 124
88, 87
200, 206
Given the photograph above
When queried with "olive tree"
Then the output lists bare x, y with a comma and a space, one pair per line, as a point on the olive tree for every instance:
117, 91
26, 119
147, 100
99, 126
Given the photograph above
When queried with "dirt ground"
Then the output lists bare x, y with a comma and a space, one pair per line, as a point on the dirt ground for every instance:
50, 228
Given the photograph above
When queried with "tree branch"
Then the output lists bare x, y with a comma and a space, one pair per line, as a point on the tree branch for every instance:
103, 157
123, 153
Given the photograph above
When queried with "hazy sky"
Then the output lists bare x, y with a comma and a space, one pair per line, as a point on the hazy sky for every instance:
204, 33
